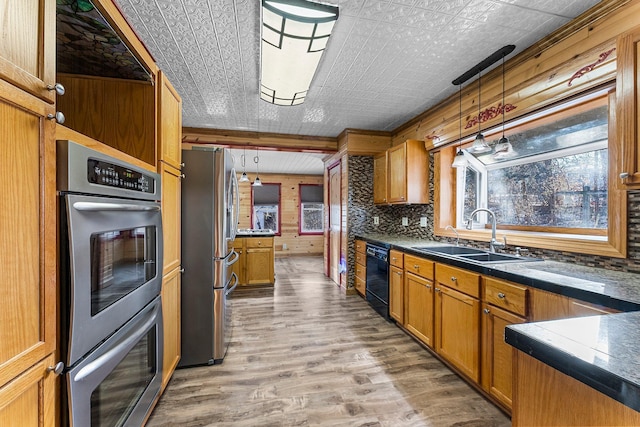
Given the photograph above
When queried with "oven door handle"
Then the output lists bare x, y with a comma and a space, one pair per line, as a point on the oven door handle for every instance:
104, 364
110, 207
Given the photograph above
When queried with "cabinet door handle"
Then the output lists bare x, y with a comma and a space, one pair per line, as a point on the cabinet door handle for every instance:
501, 295
58, 87
182, 270
57, 368
398, 273
624, 175
437, 289
428, 286
58, 117
486, 311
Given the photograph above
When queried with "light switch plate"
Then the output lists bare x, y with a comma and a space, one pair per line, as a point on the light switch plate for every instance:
423, 221
376, 220
405, 221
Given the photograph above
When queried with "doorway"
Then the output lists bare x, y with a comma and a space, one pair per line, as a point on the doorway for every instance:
335, 220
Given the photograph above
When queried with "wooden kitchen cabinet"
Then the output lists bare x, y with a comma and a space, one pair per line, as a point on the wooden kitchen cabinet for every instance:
550, 306
28, 48
256, 263
28, 249
418, 298
380, 178
457, 319
396, 285
360, 276
628, 107
408, 173
169, 130
170, 293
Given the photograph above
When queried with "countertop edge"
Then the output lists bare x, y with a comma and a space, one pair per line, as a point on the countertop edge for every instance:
607, 383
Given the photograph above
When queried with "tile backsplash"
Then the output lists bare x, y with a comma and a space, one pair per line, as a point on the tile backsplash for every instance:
361, 213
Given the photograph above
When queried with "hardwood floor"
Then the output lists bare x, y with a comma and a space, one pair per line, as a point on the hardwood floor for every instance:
304, 354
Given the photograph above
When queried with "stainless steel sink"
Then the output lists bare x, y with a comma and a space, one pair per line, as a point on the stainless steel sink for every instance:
450, 250
476, 256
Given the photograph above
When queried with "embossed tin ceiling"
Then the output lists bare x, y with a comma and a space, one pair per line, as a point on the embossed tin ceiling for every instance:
387, 60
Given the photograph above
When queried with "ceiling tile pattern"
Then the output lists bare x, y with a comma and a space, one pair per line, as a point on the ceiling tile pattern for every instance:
386, 62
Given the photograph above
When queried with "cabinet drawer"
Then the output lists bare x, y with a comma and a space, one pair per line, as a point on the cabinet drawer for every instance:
419, 266
361, 258
361, 271
361, 246
360, 285
460, 280
396, 258
259, 242
506, 295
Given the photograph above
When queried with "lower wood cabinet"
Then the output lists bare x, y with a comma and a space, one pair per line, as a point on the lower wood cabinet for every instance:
30, 399
255, 265
497, 355
396, 294
360, 276
419, 308
457, 330
171, 323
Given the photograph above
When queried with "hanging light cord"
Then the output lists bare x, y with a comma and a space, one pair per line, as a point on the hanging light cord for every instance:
460, 114
479, 92
503, 106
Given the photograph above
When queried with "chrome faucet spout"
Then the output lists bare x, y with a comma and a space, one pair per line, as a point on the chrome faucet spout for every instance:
450, 227
493, 243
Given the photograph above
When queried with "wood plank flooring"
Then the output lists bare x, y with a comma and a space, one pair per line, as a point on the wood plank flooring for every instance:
304, 354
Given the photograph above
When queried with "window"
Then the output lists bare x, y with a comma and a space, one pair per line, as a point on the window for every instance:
555, 189
311, 209
265, 212
554, 177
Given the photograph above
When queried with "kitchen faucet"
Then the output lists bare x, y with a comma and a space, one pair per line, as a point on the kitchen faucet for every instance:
493, 243
450, 227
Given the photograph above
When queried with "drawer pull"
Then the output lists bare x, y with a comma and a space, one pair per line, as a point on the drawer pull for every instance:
453, 279
487, 311
416, 266
501, 295
398, 273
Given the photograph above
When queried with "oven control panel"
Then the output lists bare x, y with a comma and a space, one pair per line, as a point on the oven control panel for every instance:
113, 175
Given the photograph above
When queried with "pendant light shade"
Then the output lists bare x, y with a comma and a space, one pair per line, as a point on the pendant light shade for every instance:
257, 182
479, 144
503, 149
243, 177
459, 161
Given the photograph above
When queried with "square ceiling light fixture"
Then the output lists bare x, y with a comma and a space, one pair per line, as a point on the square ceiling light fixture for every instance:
294, 35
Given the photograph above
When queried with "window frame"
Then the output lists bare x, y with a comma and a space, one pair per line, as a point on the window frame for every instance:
301, 209
277, 232
613, 244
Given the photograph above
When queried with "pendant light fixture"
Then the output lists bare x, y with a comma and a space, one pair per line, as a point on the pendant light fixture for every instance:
459, 160
479, 144
257, 182
503, 148
244, 177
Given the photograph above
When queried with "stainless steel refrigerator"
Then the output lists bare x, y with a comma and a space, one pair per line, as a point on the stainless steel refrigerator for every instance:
209, 223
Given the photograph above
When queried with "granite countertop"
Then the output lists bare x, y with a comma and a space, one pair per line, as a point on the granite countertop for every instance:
600, 351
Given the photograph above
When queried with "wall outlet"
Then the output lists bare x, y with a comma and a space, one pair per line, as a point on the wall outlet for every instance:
284, 246
405, 221
376, 220
423, 221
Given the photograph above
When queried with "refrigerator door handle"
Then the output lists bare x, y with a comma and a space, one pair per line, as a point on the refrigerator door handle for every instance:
234, 277
233, 257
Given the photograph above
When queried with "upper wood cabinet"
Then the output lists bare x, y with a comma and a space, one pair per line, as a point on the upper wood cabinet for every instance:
380, 178
170, 123
28, 48
407, 173
628, 106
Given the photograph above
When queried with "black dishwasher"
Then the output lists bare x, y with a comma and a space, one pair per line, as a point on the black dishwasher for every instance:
377, 283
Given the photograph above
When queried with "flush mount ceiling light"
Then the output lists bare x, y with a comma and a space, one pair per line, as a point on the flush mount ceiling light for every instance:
294, 35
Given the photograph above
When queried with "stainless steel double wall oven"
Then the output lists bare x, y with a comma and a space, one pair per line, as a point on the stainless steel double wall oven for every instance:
111, 276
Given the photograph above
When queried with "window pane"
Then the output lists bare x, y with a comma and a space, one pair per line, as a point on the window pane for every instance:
568, 192
471, 187
312, 218
266, 217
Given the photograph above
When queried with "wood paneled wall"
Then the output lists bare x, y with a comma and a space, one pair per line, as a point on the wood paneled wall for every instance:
289, 213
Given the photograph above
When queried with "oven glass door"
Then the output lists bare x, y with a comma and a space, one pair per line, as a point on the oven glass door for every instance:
117, 383
115, 260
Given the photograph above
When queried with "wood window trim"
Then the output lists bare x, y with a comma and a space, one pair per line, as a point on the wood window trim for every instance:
614, 244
